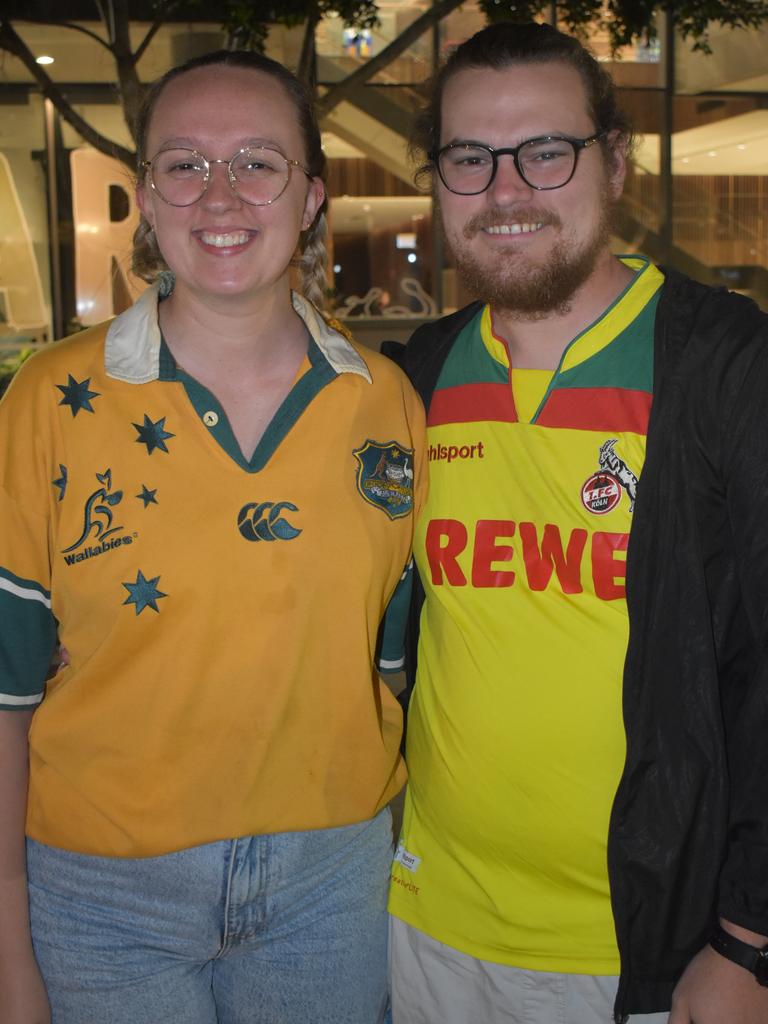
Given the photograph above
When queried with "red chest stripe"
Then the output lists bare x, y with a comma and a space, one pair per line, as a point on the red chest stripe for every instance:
602, 409
608, 409
472, 403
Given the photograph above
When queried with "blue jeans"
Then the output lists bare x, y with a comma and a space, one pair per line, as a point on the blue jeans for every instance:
273, 929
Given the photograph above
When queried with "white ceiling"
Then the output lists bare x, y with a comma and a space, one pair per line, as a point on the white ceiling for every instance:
363, 214
737, 145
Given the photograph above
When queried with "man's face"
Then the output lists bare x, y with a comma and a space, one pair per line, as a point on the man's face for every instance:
523, 250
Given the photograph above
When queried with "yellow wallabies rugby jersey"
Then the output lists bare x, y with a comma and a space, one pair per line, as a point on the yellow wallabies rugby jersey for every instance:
515, 736
220, 613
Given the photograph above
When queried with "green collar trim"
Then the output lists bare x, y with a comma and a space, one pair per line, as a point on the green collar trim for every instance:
213, 416
641, 266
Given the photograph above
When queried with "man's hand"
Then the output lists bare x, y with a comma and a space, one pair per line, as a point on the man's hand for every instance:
713, 990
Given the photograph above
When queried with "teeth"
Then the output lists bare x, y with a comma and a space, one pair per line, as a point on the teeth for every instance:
224, 241
514, 229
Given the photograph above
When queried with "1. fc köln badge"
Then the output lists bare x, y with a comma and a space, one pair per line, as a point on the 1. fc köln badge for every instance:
602, 491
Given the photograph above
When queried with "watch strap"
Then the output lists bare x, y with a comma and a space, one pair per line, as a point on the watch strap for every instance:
752, 958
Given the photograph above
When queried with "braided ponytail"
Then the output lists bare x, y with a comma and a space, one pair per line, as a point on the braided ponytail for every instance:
313, 262
147, 262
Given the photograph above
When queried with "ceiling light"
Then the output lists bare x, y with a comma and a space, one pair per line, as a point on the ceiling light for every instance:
712, 152
45, 59
741, 145
686, 160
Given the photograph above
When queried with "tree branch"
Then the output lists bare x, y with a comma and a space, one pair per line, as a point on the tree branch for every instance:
342, 90
13, 43
162, 13
70, 25
306, 69
104, 7
131, 89
152, 31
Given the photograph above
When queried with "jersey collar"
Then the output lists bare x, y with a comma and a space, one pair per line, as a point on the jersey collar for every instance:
132, 351
624, 309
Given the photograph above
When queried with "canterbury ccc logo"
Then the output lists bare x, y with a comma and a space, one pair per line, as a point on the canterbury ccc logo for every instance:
264, 521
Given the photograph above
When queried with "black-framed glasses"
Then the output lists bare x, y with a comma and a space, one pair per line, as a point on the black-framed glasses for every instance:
257, 174
546, 162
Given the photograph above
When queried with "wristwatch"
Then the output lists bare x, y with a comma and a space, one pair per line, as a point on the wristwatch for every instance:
751, 958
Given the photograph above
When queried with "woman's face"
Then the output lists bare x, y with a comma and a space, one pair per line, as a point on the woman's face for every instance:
221, 247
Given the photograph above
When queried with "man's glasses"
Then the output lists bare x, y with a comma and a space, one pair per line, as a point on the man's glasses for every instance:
257, 174
468, 168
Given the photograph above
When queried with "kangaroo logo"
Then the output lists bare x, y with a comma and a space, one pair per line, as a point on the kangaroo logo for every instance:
97, 515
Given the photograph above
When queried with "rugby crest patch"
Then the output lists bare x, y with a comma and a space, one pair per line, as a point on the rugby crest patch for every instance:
385, 476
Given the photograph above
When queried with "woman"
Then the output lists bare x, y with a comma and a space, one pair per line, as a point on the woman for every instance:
210, 501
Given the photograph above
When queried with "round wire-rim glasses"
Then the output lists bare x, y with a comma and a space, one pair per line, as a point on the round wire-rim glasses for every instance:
468, 168
258, 175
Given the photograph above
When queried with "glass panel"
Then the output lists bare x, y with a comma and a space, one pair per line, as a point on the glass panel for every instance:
382, 256
341, 50
24, 244
719, 188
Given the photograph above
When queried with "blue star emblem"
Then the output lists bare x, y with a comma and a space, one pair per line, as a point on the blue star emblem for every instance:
61, 483
143, 593
77, 394
148, 496
153, 434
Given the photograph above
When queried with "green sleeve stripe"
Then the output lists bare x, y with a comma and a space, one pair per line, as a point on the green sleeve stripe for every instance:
28, 633
27, 590
391, 652
391, 666
11, 700
25, 593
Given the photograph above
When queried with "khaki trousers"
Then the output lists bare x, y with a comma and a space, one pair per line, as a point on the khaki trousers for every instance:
432, 983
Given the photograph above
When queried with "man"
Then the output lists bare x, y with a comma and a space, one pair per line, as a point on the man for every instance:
593, 418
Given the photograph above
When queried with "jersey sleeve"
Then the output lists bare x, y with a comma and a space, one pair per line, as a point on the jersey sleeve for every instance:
27, 623
391, 655
392, 636
420, 465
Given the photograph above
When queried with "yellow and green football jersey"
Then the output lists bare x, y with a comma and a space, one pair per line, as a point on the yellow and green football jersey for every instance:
220, 613
515, 737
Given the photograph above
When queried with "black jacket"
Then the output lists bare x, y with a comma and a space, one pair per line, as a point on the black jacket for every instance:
688, 838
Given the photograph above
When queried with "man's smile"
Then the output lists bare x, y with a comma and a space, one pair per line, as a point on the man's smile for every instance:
514, 229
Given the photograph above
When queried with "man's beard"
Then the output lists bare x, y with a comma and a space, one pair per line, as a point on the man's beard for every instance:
508, 282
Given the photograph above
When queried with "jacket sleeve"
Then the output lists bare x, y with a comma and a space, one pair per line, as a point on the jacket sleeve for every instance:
741, 458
